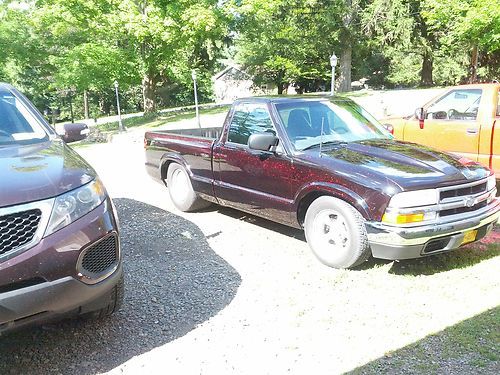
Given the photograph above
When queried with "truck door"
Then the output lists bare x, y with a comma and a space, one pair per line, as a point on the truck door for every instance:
250, 180
452, 123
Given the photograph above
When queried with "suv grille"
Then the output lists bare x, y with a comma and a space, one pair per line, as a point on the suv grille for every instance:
100, 257
18, 229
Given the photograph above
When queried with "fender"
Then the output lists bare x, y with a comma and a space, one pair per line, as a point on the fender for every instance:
338, 191
170, 157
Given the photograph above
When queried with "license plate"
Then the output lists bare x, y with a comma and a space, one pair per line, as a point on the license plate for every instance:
469, 237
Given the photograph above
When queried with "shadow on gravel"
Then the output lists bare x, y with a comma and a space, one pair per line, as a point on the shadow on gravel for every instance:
173, 282
469, 347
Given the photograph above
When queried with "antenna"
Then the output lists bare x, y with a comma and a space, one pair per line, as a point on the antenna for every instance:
321, 136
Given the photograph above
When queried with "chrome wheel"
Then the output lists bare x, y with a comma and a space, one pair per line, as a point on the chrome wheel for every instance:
179, 185
330, 235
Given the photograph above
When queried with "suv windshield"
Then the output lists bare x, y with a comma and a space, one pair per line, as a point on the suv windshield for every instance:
17, 124
342, 121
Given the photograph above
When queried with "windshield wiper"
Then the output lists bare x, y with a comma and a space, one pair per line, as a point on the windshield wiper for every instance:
334, 143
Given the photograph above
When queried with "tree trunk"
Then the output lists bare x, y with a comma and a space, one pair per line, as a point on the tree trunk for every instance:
473, 65
346, 44
149, 93
426, 73
86, 104
345, 68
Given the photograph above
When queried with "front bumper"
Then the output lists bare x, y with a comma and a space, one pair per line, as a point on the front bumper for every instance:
394, 243
50, 279
52, 300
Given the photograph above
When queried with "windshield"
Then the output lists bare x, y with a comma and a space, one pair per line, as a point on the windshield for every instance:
343, 121
17, 124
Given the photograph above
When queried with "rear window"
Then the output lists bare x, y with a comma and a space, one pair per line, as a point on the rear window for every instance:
17, 123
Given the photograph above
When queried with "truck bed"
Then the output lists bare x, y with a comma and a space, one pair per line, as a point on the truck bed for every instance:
188, 147
211, 133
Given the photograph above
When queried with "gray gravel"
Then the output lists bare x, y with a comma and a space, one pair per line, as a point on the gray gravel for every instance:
174, 281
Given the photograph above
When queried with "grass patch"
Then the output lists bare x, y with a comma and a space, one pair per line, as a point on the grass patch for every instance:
160, 118
472, 345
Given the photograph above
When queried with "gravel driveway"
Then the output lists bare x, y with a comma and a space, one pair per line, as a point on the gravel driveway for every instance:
174, 282
222, 292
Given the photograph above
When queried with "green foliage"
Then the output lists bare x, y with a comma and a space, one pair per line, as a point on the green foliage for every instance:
54, 50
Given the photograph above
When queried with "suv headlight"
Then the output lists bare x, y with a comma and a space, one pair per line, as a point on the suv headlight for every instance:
73, 205
406, 207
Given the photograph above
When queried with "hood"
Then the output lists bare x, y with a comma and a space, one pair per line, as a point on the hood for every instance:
34, 172
408, 165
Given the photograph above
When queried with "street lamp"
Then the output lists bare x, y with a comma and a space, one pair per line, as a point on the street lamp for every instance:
193, 75
333, 63
120, 123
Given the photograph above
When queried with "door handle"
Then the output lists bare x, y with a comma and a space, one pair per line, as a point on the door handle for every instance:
472, 131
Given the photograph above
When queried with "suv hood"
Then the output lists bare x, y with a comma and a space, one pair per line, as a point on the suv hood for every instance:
35, 172
409, 165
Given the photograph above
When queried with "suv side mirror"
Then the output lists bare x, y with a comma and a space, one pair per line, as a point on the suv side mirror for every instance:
262, 141
74, 132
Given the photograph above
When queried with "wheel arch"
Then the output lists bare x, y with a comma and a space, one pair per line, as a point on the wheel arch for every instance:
313, 191
168, 159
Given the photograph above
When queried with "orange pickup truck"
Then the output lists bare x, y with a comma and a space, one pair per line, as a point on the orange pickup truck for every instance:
463, 120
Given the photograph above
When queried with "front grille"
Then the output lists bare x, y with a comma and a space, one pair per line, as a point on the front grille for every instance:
18, 229
461, 192
100, 258
463, 210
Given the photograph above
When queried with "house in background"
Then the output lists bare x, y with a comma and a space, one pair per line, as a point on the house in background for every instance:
233, 82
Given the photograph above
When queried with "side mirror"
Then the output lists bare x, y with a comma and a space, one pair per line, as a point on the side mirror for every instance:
262, 141
73, 132
420, 114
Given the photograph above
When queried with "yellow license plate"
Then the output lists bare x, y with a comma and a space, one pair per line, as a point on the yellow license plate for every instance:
469, 237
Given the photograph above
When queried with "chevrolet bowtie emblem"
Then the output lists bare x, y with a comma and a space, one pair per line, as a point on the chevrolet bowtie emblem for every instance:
469, 201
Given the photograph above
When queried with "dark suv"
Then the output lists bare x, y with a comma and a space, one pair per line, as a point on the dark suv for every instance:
59, 245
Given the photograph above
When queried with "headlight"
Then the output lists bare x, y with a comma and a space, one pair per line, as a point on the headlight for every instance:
415, 198
74, 204
491, 183
405, 208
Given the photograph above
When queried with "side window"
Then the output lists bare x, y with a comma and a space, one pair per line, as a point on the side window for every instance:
249, 119
460, 104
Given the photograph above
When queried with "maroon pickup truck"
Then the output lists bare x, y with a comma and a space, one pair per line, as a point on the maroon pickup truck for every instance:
327, 166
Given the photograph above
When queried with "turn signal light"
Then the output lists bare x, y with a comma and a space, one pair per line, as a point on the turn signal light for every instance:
403, 218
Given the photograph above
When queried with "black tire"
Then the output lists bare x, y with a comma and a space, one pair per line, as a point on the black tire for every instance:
181, 191
114, 302
336, 233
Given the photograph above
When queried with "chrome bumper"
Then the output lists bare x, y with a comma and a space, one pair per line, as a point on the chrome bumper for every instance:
391, 242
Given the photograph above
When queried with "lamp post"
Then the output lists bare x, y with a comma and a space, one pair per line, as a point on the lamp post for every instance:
333, 63
193, 75
120, 123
